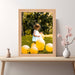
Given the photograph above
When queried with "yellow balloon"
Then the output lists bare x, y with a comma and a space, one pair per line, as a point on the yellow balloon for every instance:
34, 50
40, 43
33, 44
25, 49
42, 35
49, 47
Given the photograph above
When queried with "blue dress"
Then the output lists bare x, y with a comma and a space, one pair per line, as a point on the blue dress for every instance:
34, 39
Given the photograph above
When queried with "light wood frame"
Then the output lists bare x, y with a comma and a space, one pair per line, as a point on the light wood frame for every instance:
54, 32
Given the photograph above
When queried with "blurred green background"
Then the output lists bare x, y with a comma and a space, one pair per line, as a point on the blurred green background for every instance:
45, 19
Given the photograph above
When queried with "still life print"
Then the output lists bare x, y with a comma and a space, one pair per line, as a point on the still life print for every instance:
37, 33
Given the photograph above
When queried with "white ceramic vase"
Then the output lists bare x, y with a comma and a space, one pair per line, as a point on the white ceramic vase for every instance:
66, 53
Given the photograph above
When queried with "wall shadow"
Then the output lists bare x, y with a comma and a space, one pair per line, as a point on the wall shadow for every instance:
59, 48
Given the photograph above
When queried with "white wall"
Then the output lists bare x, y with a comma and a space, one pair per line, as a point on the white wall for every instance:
65, 15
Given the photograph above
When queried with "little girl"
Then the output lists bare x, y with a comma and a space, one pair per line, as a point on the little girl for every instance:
36, 34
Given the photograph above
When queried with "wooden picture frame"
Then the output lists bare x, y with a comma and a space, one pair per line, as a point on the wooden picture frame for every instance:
53, 11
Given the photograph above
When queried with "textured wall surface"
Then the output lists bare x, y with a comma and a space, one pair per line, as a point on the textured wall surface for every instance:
65, 15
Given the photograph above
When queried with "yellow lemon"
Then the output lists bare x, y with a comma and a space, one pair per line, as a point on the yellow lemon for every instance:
25, 49
40, 43
49, 47
34, 50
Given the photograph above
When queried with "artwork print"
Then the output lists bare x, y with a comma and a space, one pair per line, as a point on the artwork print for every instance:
37, 32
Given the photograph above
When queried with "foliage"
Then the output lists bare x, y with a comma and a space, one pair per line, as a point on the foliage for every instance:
30, 18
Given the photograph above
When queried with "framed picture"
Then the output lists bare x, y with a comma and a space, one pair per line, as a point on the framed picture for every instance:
37, 32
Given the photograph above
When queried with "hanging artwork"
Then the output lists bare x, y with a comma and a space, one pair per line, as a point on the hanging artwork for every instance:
37, 32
